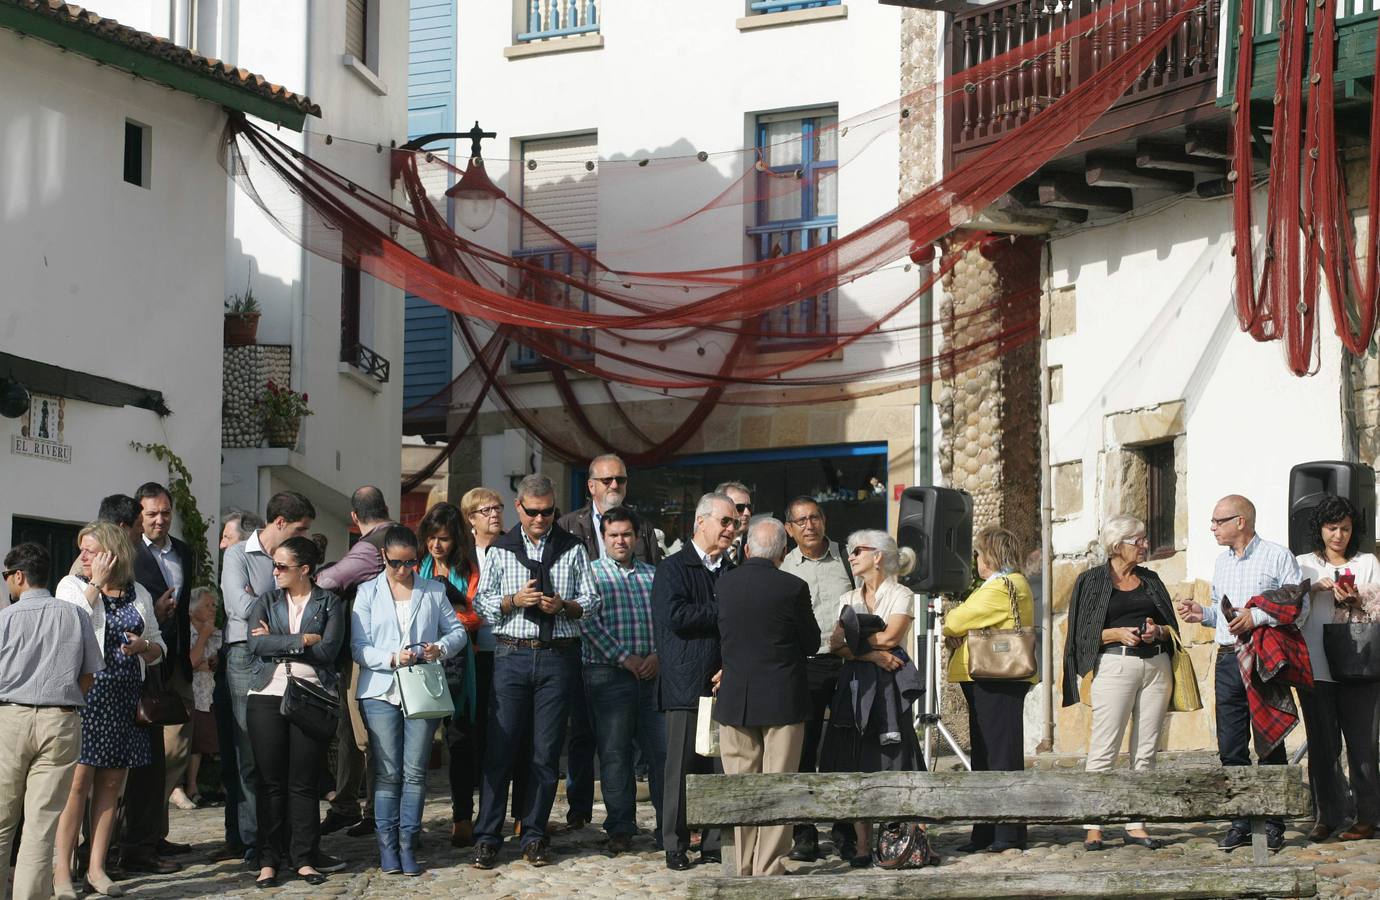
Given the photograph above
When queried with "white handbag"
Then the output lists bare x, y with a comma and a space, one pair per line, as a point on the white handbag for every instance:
424, 691
706, 729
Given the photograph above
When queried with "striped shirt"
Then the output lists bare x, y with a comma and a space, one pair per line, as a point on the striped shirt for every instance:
505, 575
623, 626
1262, 566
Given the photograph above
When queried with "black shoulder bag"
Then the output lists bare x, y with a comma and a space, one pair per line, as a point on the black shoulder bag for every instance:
310, 707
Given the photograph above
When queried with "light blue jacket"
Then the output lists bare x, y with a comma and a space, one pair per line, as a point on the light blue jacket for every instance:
374, 635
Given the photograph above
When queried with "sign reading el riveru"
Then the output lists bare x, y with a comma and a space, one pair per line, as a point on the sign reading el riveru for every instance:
40, 434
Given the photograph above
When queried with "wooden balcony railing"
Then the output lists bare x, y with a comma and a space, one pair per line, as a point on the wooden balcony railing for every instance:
1177, 88
1357, 21
559, 18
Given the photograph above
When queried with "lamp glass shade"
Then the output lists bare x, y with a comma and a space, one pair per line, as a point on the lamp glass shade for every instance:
475, 196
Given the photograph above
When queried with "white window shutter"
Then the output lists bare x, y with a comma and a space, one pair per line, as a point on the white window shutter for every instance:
356, 28
560, 187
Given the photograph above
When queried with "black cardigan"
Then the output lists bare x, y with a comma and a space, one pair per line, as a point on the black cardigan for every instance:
1088, 613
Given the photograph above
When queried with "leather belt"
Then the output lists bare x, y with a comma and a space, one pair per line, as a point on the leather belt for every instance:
1142, 652
534, 644
38, 706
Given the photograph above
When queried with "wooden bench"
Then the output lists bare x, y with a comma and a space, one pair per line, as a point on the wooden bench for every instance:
1064, 797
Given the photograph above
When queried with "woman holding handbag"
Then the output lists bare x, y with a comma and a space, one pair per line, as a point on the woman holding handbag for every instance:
127, 632
1003, 601
1121, 629
400, 620
450, 559
296, 633
1335, 711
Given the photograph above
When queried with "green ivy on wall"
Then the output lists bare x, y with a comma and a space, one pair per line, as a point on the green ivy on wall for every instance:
194, 525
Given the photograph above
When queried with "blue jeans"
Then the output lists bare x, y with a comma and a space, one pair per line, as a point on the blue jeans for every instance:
239, 674
400, 749
531, 693
1234, 728
626, 717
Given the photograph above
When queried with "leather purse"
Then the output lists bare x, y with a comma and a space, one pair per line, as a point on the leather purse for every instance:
310, 707
1353, 651
1002, 654
1184, 696
424, 691
157, 705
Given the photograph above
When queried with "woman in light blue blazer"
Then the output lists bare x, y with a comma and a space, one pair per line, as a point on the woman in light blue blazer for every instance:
399, 618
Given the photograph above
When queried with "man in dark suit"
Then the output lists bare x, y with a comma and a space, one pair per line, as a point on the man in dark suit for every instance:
767, 629
166, 567
608, 487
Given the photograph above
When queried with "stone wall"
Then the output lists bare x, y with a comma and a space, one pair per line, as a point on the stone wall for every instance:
245, 372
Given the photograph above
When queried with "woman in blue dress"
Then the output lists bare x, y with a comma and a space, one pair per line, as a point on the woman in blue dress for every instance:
127, 632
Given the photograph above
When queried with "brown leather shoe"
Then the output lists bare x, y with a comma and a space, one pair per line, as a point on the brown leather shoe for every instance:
462, 834
1357, 832
1319, 833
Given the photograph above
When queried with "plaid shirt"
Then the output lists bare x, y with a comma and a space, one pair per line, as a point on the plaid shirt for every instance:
1262, 566
1278, 658
623, 626
504, 575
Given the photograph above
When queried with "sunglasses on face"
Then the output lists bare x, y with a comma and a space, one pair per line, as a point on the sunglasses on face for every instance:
8, 573
611, 480
539, 513
488, 510
860, 549
283, 567
743, 507
402, 563
728, 522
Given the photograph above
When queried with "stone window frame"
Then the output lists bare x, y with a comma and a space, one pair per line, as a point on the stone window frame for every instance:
1124, 478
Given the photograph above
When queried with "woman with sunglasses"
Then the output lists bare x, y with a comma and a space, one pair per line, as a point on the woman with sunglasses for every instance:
876, 563
1120, 618
296, 631
450, 560
399, 618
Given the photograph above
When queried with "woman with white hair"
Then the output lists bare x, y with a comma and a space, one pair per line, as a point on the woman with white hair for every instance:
1120, 619
876, 562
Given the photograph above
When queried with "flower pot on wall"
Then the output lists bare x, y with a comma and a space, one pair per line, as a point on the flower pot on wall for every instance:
241, 329
282, 432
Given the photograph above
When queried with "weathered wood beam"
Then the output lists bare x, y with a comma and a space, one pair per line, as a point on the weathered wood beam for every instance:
1205, 142
1104, 171
1151, 155
938, 884
1009, 204
1062, 797
1072, 193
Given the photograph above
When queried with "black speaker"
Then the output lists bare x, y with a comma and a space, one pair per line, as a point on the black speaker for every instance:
937, 523
1310, 482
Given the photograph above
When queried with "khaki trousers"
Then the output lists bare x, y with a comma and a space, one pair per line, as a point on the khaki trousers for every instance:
38, 756
351, 750
177, 741
1128, 689
761, 850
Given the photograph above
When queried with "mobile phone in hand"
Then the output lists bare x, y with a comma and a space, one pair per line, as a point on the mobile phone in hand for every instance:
1229, 611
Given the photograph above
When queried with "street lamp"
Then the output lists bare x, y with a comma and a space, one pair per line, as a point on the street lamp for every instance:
475, 196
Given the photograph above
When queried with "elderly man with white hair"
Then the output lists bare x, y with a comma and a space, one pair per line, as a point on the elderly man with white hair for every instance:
767, 629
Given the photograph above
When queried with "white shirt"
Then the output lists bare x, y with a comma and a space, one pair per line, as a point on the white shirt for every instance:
402, 609
710, 564
168, 563
1364, 566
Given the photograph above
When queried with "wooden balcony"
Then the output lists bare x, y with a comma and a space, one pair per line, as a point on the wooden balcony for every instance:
1179, 88
1357, 21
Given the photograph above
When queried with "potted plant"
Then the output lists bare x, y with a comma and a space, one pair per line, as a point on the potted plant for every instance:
282, 410
241, 318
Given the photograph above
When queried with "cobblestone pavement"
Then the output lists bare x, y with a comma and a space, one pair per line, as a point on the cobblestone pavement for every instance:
584, 869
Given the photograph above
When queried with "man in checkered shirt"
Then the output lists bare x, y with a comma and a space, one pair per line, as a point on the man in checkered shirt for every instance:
535, 588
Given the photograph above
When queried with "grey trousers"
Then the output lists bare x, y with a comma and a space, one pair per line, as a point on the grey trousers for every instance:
237, 670
681, 760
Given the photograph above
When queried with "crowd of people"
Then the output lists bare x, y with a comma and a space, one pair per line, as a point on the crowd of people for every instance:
574, 638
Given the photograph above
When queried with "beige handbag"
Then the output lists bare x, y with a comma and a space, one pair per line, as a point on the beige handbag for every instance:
706, 729
1002, 654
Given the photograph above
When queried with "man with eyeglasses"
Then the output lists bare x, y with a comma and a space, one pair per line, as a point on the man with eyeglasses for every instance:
685, 617
1249, 566
361, 563
741, 497
535, 589
820, 563
608, 488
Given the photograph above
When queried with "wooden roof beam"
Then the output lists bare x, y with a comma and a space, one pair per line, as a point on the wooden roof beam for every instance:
1071, 192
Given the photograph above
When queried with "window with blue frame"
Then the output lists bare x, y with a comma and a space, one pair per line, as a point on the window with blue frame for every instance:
775, 6
797, 210
558, 18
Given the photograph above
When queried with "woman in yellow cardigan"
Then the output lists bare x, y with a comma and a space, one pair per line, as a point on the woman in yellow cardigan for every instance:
994, 707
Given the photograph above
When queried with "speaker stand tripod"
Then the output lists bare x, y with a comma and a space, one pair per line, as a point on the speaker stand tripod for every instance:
930, 719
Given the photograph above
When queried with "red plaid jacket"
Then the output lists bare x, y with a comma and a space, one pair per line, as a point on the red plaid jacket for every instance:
1272, 659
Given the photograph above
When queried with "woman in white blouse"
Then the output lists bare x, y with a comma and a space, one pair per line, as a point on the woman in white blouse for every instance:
1334, 711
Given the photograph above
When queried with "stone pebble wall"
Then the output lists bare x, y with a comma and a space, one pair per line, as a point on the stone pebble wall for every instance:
245, 372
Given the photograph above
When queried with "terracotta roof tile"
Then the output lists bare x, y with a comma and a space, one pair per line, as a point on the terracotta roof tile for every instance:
72, 15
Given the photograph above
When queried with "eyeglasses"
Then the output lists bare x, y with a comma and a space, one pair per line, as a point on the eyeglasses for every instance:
539, 513
611, 480
1217, 521
401, 563
805, 520
1141, 541
488, 510
861, 549
283, 567
743, 507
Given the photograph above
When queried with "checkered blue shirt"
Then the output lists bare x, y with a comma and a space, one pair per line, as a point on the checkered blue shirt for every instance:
1262, 566
504, 575
623, 626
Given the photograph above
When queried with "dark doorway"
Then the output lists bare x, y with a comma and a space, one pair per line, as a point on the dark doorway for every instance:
59, 538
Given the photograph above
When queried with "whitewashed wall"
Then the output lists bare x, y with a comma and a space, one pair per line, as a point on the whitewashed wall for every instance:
1155, 323
105, 277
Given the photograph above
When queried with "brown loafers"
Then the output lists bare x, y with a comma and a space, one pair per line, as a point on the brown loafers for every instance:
1320, 833
1357, 832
